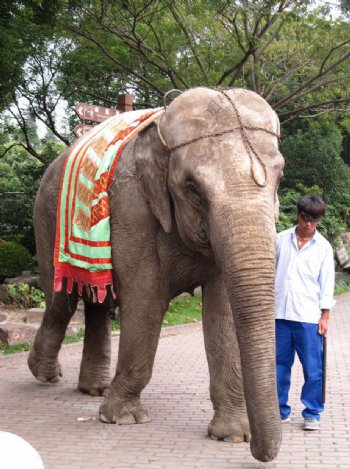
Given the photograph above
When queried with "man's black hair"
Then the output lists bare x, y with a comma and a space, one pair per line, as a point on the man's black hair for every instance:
313, 205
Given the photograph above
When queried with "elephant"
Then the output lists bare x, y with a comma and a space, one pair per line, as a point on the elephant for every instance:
192, 204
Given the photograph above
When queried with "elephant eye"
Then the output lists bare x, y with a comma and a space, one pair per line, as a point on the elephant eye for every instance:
192, 191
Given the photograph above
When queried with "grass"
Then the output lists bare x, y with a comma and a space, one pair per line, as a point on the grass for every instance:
182, 310
7, 349
71, 338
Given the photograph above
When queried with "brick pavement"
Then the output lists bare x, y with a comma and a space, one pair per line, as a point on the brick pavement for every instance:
178, 401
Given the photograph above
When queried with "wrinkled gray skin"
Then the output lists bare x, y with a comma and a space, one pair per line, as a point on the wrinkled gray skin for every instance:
196, 217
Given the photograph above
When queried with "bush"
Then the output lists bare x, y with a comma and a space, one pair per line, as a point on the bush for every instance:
13, 259
26, 296
313, 157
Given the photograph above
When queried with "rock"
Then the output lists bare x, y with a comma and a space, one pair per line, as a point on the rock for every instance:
16, 333
345, 237
25, 277
4, 297
34, 315
3, 316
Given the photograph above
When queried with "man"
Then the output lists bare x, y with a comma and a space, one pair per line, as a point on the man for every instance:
304, 297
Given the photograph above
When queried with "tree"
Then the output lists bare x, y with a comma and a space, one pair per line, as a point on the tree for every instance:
65, 51
297, 58
29, 64
22, 23
294, 56
312, 157
20, 175
345, 6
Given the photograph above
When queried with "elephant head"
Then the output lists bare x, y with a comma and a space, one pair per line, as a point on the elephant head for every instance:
214, 157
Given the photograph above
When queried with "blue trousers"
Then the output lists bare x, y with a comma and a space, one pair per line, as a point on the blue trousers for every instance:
303, 338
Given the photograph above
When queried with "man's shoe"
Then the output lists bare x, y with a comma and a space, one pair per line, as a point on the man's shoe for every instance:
286, 420
311, 424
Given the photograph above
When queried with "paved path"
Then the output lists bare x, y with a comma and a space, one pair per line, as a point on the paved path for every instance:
178, 401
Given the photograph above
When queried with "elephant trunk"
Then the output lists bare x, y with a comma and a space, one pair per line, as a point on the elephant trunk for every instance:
244, 249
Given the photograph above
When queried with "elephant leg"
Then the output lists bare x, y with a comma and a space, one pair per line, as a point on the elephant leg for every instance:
230, 421
60, 306
42, 360
94, 375
141, 319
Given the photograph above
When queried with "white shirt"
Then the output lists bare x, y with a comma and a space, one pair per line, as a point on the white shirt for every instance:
304, 282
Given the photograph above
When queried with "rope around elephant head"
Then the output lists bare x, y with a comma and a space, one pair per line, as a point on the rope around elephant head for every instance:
243, 128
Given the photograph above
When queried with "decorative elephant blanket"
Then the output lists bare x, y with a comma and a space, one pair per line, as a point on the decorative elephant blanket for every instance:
83, 245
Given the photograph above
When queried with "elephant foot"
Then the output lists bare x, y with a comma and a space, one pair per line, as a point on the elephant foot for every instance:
44, 369
96, 387
231, 429
123, 411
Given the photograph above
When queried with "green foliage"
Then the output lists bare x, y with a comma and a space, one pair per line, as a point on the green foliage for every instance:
13, 259
102, 47
24, 24
331, 228
20, 175
345, 7
313, 157
341, 208
284, 221
314, 166
25, 296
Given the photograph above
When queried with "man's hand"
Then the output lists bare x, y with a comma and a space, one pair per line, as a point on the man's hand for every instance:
323, 322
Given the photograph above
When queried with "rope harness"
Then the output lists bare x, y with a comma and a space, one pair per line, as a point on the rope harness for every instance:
247, 144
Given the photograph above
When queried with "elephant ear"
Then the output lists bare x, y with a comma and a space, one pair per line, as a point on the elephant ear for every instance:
151, 162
